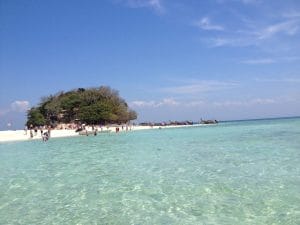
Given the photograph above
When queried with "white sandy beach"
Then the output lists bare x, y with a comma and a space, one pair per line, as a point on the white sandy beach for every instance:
20, 135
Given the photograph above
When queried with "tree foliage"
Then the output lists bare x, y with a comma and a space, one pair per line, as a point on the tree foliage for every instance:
91, 106
35, 117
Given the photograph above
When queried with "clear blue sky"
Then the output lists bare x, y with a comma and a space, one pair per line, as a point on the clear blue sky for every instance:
169, 59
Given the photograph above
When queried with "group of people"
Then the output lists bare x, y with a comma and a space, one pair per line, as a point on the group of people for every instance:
33, 131
45, 136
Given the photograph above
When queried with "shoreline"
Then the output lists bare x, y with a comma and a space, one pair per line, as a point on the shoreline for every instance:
20, 135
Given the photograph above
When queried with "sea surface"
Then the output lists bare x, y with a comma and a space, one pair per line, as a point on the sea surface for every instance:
245, 172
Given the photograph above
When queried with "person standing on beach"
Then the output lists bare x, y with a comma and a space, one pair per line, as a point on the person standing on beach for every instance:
31, 133
45, 136
49, 132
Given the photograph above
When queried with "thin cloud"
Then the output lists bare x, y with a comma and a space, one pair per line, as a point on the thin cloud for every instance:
206, 24
288, 27
199, 87
16, 106
218, 42
140, 103
206, 104
279, 80
168, 101
250, 1
153, 4
286, 59
251, 102
237, 41
155, 104
241, 1
255, 36
20, 106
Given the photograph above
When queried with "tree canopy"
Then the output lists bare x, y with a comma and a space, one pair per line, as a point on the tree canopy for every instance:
90, 106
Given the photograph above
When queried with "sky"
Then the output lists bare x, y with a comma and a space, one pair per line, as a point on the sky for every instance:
169, 59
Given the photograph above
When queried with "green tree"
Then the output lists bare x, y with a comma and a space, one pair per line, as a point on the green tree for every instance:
35, 117
91, 106
97, 113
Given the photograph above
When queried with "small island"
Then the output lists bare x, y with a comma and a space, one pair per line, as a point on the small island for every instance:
101, 106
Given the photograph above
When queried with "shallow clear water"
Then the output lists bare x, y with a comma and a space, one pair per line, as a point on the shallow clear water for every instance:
231, 173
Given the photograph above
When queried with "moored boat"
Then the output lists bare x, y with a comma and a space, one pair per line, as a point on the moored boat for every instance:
93, 132
208, 121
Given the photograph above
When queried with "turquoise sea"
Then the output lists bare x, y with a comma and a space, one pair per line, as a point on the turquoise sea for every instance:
245, 172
